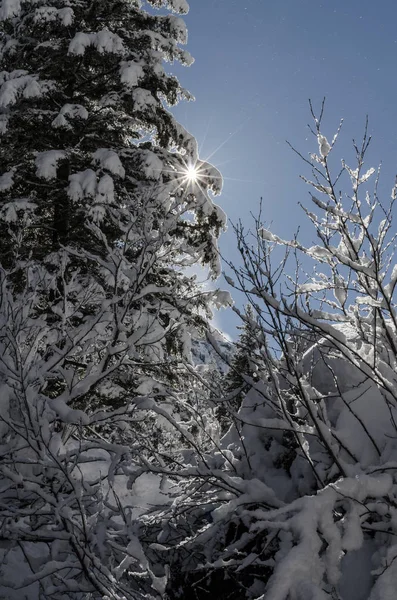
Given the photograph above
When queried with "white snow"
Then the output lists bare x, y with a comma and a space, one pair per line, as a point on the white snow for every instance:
14, 569
143, 99
3, 124
385, 585
323, 145
340, 289
50, 13
206, 356
6, 180
69, 111
222, 299
46, 163
109, 160
67, 414
74, 111
82, 184
9, 47
367, 175
178, 29
151, 164
319, 253
9, 8
105, 190
130, 73
268, 236
60, 122
186, 58
9, 210
20, 84
85, 184
103, 41
179, 6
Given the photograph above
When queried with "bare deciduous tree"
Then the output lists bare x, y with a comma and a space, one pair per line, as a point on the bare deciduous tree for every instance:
314, 448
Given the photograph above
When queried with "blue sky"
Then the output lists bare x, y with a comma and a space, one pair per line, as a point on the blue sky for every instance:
257, 63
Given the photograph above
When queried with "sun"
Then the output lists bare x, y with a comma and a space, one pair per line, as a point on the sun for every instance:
191, 173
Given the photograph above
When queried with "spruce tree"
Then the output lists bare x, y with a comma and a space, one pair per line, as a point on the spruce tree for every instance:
244, 367
99, 218
243, 364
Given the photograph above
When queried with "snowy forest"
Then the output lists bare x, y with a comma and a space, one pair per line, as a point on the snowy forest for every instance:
143, 455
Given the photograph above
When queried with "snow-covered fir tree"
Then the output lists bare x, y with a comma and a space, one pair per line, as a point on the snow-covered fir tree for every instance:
98, 221
244, 363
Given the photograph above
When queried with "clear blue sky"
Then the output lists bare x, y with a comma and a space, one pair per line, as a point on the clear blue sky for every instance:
257, 63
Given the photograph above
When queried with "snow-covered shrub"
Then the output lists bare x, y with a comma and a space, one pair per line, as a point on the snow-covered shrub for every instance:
307, 474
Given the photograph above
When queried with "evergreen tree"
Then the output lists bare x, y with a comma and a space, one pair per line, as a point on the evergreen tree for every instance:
244, 364
244, 368
99, 216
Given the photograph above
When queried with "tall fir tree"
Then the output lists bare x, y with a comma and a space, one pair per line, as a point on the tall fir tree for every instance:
244, 365
103, 204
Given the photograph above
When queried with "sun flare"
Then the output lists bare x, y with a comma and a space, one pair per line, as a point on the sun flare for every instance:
191, 173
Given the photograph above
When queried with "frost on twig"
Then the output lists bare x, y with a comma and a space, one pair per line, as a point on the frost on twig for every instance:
312, 448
